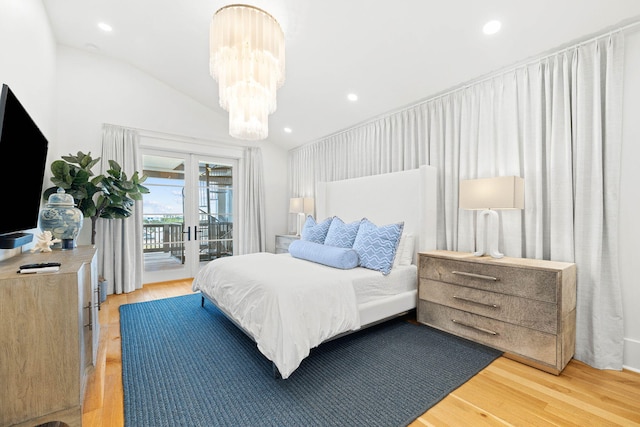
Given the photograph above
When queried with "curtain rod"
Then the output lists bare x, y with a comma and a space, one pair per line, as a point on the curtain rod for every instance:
175, 137
160, 134
635, 25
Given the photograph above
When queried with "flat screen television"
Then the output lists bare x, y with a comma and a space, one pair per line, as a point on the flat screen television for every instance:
23, 156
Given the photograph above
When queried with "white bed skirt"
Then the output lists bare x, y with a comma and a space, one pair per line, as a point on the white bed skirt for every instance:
381, 309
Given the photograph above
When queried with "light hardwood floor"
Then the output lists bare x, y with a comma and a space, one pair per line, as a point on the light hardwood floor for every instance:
506, 393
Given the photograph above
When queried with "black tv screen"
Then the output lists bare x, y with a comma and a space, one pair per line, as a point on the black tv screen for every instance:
23, 153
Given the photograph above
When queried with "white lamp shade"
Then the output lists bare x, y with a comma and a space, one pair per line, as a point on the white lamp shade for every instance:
301, 205
296, 205
308, 205
504, 192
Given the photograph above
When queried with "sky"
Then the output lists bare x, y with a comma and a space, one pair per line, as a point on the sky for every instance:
163, 199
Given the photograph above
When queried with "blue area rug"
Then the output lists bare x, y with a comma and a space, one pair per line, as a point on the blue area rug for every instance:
184, 365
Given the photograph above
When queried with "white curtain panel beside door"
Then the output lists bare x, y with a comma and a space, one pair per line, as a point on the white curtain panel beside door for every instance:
119, 242
252, 235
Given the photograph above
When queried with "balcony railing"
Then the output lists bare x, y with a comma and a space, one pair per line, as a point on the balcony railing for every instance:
216, 239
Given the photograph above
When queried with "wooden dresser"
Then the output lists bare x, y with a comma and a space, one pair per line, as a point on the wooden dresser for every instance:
49, 332
524, 307
283, 241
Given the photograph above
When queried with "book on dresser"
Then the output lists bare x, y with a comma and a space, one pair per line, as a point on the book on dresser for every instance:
524, 307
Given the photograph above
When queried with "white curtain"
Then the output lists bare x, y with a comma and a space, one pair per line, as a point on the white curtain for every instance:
119, 241
252, 235
556, 122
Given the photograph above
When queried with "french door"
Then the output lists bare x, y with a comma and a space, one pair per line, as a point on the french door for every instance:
189, 213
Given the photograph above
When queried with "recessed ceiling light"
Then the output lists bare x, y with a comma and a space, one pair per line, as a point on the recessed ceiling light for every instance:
288, 130
104, 27
491, 27
352, 97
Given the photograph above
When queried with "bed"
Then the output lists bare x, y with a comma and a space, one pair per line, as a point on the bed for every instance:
289, 305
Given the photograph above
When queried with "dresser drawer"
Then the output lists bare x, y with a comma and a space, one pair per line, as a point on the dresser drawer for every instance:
520, 281
538, 315
503, 336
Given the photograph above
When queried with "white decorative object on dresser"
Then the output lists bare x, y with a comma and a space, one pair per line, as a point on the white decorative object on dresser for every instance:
49, 332
524, 307
283, 241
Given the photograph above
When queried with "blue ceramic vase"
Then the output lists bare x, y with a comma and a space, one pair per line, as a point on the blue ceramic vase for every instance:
62, 218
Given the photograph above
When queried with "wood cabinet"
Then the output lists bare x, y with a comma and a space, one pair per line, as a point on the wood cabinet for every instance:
49, 332
524, 307
283, 241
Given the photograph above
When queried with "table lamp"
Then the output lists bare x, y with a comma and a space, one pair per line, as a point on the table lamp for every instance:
301, 206
489, 195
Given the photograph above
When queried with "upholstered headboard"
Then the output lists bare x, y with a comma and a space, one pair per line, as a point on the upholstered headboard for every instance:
408, 196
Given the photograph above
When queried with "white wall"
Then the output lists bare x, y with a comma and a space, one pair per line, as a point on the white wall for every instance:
28, 66
93, 89
630, 203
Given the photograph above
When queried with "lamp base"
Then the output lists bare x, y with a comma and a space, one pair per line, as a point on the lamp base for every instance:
487, 234
300, 221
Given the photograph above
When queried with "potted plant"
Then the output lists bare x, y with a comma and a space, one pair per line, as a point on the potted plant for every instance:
109, 196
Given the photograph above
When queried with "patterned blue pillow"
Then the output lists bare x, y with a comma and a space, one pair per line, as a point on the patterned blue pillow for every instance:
313, 232
376, 246
340, 234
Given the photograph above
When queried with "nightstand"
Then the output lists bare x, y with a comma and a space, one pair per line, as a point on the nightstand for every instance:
524, 307
283, 241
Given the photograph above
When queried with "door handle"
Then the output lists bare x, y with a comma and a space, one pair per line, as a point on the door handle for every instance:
188, 233
195, 232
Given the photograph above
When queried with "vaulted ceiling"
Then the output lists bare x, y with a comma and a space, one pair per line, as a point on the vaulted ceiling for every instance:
390, 54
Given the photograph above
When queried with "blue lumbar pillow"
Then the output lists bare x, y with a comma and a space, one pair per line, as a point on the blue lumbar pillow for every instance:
376, 246
340, 234
315, 232
344, 258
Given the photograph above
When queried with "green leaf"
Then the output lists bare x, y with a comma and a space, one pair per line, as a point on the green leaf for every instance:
60, 183
91, 164
111, 195
60, 169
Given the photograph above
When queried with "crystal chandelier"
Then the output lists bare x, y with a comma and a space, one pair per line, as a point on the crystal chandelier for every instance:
247, 61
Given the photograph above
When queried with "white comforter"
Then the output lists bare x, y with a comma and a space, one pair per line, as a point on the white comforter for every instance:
288, 305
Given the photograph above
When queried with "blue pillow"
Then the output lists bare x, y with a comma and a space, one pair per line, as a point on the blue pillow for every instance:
376, 246
332, 256
313, 232
340, 234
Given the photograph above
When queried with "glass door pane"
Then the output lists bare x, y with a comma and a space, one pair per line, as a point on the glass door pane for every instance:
164, 237
188, 215
215, 211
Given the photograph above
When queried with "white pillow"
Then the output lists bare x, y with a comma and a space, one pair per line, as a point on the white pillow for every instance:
404, 253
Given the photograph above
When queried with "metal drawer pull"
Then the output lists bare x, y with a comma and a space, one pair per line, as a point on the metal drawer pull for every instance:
486, 331
475, 276
90, 324
475, 302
